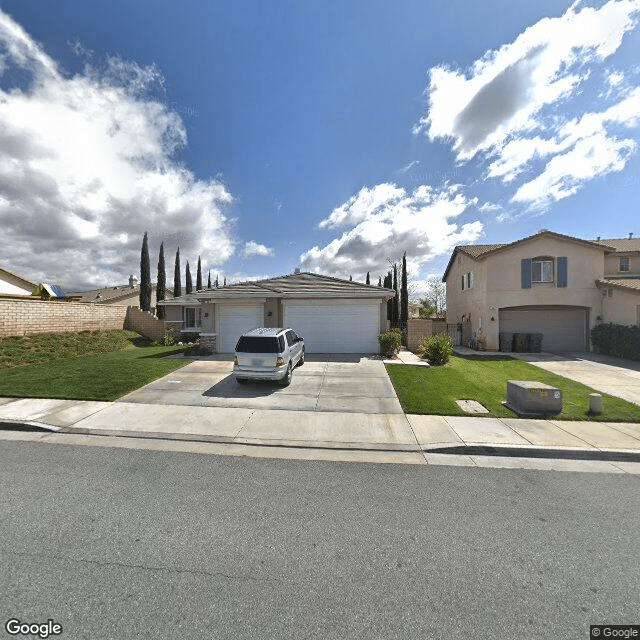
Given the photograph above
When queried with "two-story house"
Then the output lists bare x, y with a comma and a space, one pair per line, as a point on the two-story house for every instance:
549, 283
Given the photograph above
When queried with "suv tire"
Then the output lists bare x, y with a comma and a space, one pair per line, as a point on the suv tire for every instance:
286, 381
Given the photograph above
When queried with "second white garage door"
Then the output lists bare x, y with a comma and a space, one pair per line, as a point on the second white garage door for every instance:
234, 320
562, 328
335, 326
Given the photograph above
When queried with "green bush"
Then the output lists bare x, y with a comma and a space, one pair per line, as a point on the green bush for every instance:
169, 339
437, 349
390, 341
617, 340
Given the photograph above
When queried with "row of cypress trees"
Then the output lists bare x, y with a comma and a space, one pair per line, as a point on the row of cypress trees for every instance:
161, 286
398, 306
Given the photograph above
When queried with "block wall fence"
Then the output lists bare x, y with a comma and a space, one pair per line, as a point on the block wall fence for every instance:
420, 328
24, 317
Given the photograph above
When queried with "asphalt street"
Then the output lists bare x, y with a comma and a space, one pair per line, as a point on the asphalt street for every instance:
123, 543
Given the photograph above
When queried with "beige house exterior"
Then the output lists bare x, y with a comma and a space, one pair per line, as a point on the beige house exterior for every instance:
550, 284
331, 315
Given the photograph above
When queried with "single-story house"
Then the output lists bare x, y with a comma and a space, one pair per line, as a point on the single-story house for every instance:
548, 283
11, 284
332, 315
122, 295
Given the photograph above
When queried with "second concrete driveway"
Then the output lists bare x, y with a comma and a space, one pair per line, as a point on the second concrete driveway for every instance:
326, 382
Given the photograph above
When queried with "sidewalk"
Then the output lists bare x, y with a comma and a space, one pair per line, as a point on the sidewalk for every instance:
426, 435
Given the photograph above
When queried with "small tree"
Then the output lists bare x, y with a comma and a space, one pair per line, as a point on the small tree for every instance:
199, 276
404, 293
177, 285
145, 276
350, 278
396, 298
209, 280
368, 280
224, 284
187, 280
161, 285
379, 281
436, 295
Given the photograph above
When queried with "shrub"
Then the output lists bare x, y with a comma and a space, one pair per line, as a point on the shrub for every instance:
390, 341
169, 339
436, 349
617, 340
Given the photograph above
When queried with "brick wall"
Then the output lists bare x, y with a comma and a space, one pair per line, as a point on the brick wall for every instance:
420, 328
144, 323
22, 317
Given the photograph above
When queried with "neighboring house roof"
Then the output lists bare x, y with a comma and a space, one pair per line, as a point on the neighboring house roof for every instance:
111, 294
481, 251
621, 244
620, 283
297, 285
12, 277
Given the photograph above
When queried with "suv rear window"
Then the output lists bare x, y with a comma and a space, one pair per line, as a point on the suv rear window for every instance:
258, 344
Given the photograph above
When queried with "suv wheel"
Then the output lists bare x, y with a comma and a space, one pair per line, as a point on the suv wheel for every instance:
286, 381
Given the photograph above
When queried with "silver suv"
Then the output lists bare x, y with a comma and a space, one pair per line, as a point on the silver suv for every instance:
268, 354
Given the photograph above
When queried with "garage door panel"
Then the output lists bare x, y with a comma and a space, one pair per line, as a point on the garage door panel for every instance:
236, 319
336, 326
562, 328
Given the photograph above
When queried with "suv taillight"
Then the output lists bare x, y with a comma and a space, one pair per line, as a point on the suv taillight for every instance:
279, 361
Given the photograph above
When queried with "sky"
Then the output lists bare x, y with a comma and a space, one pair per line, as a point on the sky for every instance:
326, 135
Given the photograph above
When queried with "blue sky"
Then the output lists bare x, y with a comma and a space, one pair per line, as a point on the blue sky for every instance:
331, 136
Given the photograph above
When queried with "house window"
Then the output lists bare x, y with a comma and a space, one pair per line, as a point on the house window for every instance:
542, 270
192, 317
467, 280
624, 264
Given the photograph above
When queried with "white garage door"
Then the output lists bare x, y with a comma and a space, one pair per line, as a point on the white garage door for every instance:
236, 319
562, 328
335, 326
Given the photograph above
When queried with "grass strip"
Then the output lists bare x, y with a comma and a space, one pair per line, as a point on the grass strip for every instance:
434, 390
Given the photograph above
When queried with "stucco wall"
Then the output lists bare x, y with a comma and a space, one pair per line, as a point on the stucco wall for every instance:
612, 264
22, 317
621, 307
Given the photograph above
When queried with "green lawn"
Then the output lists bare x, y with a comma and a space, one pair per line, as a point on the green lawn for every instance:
434, 390
56, 365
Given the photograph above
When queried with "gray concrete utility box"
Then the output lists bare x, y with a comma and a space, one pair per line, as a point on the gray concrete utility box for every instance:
533, 399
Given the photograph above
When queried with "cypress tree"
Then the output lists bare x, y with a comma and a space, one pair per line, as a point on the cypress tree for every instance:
177, 285
379, 281
394, 308
388, 283
225, 281
145, 276
217, 282
209, 280
404, 293
368, 279
350, 278
199, 276
188, 284
162, 284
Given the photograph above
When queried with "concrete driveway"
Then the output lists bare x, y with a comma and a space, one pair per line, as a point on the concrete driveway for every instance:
617, 377
349, 383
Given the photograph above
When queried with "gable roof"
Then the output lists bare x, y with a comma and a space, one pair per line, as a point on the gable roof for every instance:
297, 285
481, 251
621, 244
10, 276
111, 294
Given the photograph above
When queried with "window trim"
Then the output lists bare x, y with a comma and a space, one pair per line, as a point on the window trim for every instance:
627, 262
197, 316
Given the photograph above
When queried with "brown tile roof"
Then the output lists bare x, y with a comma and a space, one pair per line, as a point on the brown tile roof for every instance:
620, 283
111, 294
298, 285
621, 244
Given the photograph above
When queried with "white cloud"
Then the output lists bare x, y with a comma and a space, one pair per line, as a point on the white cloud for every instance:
421, 223
254, 249
504, 91
505, 107
86, 168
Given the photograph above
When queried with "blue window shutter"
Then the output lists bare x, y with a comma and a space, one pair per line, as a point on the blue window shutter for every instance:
525, 270
561, 263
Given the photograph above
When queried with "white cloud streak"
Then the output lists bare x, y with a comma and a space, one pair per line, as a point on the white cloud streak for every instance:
86, 168
385, 222
254, 249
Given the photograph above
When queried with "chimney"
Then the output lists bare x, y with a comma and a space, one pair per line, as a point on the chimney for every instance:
631, 235
133, 281
296, 270
598, 240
